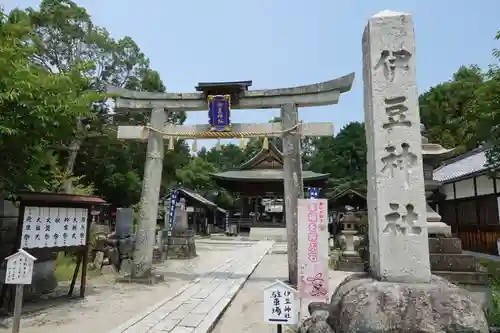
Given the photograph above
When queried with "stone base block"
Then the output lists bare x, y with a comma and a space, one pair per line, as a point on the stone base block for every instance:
448, 261
465, 278
454, 262
152, 278
181, 247
158, 255
363, 304
439, 229
351, 262
445, 245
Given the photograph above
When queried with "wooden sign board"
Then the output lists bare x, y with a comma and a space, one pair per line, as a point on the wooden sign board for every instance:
281, 305
313, 249
19, 268
50, 227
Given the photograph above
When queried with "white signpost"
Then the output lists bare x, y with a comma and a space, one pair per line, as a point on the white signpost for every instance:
281, 305
313, 249
19, 271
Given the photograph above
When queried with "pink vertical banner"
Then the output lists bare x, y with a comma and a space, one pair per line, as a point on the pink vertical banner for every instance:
313, 249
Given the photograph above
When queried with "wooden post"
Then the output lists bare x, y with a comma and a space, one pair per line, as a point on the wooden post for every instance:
18, 305
292, 182
146, 231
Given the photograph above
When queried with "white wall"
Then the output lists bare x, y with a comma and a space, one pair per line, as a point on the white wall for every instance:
447, 189
465, 188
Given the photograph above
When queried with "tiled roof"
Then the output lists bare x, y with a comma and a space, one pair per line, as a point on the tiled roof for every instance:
195, 196
201, 199
462, 166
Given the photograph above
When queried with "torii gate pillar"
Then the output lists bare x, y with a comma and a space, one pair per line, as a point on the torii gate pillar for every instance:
146, 234
294, 189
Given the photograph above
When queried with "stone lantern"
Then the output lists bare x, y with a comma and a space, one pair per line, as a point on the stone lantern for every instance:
350, 259
432, 155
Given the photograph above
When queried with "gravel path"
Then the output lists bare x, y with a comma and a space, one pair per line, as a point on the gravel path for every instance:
109, 304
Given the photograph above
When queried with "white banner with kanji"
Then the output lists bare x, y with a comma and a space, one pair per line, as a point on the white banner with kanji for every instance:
313, 249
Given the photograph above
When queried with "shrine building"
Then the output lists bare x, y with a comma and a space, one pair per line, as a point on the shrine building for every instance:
259, 183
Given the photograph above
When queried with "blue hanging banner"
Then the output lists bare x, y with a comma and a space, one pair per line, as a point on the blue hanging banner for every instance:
171, 211
313, 193
219, 113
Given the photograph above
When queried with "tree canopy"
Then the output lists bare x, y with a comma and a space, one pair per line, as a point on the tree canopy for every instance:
58, 132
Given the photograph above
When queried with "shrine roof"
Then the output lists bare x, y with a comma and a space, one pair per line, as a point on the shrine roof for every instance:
463, 166
198, 197
272, 152
266, 165
264, 175
60, 198
349, 192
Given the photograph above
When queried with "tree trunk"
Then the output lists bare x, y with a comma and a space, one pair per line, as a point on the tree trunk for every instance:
74, 148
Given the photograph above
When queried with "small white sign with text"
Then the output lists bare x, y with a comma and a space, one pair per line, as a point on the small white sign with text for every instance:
19, 268
281, 304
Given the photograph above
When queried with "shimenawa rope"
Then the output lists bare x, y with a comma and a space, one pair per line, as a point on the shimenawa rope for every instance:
219, 135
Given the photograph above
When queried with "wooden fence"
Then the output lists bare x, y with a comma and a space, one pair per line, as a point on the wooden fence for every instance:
474, 220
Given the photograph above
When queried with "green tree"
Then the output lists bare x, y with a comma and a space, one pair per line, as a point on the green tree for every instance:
448, 113
36, 106
487, 106
230, 156
196, 175
65, 41
65, 37
343, 157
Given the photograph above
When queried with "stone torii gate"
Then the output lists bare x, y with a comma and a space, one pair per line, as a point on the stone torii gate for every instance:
290, 129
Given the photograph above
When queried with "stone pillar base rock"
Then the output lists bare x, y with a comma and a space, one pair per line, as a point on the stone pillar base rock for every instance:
364, 304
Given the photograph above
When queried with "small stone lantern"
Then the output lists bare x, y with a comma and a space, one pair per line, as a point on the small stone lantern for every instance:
350, 260
349, 221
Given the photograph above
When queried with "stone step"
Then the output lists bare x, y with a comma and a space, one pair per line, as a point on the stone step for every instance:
454, 262
351, 266
474, 278
445, 245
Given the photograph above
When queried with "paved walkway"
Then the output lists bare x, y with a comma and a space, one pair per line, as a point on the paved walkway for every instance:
197, 306
246, 312
108, 304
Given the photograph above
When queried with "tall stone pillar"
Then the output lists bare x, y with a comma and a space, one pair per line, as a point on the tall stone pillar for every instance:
146, 232
399, 250
401, 284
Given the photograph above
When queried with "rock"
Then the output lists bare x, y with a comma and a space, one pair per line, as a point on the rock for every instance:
317, 323
363, 304
312, 325
319, 309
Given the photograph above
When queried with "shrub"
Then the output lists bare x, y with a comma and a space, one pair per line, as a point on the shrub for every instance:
493, 311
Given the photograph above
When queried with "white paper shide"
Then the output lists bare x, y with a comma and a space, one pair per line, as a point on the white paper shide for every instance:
19, 268
47, 227
280, 304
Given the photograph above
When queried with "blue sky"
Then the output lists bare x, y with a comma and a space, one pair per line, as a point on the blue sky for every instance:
282, 43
